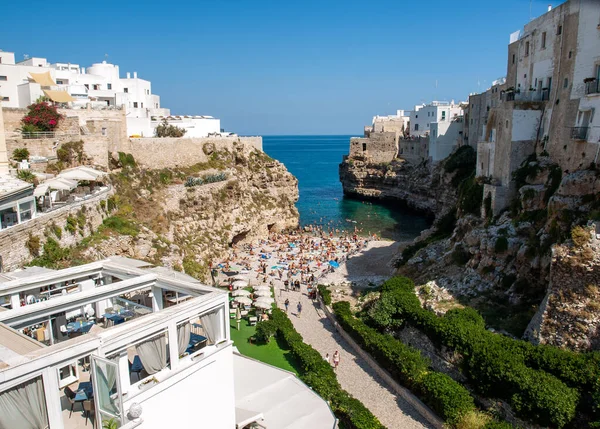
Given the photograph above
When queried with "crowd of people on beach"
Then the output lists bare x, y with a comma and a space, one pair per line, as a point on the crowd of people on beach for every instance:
296, 259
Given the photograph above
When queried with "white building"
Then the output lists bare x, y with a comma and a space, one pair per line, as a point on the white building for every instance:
446, 135
17, 203
194, 126
98, 86
139, 345
437, 111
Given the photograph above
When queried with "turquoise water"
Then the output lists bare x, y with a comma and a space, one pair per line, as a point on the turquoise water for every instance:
314, 161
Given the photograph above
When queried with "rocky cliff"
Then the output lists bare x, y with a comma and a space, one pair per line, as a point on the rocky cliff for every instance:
423, 188
188, 218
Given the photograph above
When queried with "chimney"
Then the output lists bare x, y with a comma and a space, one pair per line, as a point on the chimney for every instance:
128, 75
549, 7
135, 75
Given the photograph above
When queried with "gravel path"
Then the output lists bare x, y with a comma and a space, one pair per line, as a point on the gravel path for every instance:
354, 374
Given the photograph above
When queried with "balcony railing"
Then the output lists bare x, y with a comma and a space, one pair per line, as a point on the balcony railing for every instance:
592, 87
579, 133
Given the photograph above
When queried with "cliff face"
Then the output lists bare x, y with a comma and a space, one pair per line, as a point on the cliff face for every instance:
237, 196
422, 187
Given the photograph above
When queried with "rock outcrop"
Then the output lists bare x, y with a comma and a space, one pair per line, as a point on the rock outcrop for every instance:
188, 223
422, 187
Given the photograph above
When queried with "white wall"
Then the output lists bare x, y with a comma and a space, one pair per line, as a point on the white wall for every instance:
524, 124
202, 398
444, 138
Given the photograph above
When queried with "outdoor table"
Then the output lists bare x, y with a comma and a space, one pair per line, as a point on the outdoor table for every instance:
115, 318
196, 343
83, 327
84, 392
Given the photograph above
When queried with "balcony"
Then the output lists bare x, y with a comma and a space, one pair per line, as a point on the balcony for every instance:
579, 133
592, 87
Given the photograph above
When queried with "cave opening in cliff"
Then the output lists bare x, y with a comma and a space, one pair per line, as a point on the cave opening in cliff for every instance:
239, 237
270, 227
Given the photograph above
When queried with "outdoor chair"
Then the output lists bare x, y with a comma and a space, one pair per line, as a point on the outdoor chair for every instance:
88, 408
71, 397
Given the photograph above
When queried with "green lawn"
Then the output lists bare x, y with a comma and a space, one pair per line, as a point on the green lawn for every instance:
269, 353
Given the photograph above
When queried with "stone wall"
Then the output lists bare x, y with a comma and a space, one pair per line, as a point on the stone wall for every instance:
414, 150
14, 252
159, 153
95, 146
378, 148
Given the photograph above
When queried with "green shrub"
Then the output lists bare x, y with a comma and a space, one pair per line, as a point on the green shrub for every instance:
71, 225
33, 245
462, 163
194, 268
265, 330
406, 364
120, 225
501, 245
20, 154
470, 196
580, 236
52, 254
70, 152
57, 230
26, 175
498, 365
325, 294
111, 204
126, 160
319, 375
446, 224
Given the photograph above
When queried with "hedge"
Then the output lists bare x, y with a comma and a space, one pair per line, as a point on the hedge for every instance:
319, 375
325, 294
526, 375
446, 397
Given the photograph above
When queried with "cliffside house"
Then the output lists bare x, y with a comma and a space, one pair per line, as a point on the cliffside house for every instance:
547, 103
17, 203
119, 340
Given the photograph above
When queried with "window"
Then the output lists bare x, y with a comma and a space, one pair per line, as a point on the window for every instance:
3, 78
566, 83
125, 90
544, 40
5, 98
507, 123
86, 86
526, 49
471, 121
59, 82
364, 147
142, 105
513, 58
135, 104
570, 54
559, 30
96, 87
443, 115
417, 116
103, 131
416, 127
109, 86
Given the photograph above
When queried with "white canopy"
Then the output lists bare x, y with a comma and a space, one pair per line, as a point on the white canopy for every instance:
238, 283
284, 401
40, 190
262, 293
266, 300
243, 300
261, 287
60, 184
261, 304
244, 417
82, 173
240, 292
240, 277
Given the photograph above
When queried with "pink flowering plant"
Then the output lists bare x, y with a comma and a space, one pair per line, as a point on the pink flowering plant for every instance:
41, 117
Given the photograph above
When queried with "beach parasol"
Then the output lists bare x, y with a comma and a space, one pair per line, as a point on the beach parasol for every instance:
241, 278
240, 283
240, 292
265, 299
243, 300
263, 305
261, 287
262, 293
334, 264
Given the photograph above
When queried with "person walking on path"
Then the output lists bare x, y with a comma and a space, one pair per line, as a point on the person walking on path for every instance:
336, 359
299, 308
326, 357
286, 303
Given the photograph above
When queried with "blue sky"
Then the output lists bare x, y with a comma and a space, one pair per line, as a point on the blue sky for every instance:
281, 67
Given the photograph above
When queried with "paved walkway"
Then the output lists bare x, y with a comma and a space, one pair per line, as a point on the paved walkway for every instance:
354, 374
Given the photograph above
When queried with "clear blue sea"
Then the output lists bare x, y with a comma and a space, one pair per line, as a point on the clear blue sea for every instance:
314, 161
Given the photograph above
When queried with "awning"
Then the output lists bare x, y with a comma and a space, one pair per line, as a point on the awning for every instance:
245, 417
60, 184
58, 96
82, 173
44, 79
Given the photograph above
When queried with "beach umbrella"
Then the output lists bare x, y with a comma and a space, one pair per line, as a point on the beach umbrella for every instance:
334, 264
238, 286
263, 305
240, 292
261, 287
240, 278
60, 184
240, 283
77, 174
265, 299
262, 293
243, 300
